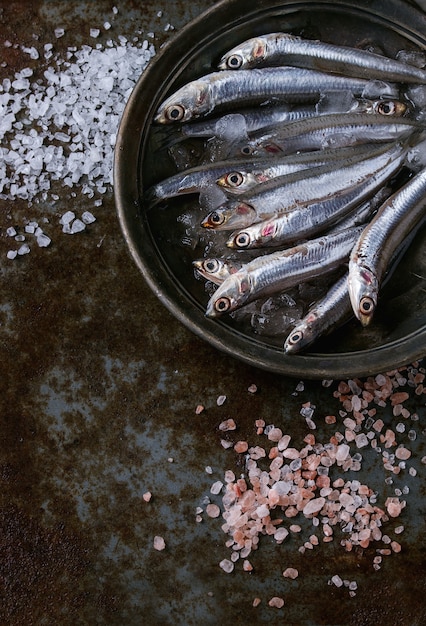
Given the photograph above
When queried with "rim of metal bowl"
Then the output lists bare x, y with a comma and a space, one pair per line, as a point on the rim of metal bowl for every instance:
150, 89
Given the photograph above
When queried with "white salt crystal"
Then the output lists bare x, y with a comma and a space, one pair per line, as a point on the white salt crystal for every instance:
24, 249
59, 32
95, 32
115, 10
107, 25
342, 452
336, 580
67, 217
77, 226
43, 240
88, 217
11, 254
11, 231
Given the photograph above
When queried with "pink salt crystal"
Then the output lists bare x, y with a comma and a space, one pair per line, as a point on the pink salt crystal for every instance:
313, 506
393, 506
212, 510
199, 409
256, 602
290, 572
241, 446
295, 528
252, 388
396, 547
330, 419
275, 434
260, 423
147, 496
276, 602
402, 453
283, 442
378, 425
247, 566
159, 543
228, 424
226, 444
291, 453
281, 534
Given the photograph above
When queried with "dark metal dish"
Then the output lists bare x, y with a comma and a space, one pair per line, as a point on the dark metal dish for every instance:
398, 334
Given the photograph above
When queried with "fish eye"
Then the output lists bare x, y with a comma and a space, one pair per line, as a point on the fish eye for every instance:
222, 305
175, 112
234, 62
242, 240
295, 337
247, 150
386, 108
212, 265
234, 179
216, 219
366, 305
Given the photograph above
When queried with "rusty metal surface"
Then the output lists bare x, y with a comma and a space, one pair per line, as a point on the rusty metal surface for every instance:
98, 390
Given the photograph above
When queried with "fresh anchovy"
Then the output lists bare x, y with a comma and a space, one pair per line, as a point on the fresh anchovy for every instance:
216, 270
285, 193
287, 84
323, 316
282, 48
281, 270
263, 116
334, 129
371, 255
242, 179
308, 220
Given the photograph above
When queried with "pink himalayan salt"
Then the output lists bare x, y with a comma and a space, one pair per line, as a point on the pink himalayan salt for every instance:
256, 602
227, 425
276, 602
393, 506
241, 447
147, 496
313, 506
212, 510
291, 572
159, 543
402, 453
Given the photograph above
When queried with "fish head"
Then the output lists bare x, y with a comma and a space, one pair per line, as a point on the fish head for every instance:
301, 336
189, 102
363, 289
233, 293
245, 56
237, 182
230, 215
216, 270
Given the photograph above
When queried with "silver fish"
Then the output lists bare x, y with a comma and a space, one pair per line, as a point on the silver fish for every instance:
282, 194
285, 49
375, 247
281, 270
216, 270
323, 316
286, 84
304, 221
335, 129
242, 179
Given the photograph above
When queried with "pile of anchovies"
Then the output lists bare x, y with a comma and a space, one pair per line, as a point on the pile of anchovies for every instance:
309, 139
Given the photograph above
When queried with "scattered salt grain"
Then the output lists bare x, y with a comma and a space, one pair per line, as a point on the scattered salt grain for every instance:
24, 249
59, 32
216, 487
291, 572
208, 470
276, 602
43, 241
88, 217
199, 409
11, 231
336, 580
159, 543
11, 254
256, 602
252, 388
220, 400
213, 510
67, 218
95, 32
147, 496
228, 424
227, 566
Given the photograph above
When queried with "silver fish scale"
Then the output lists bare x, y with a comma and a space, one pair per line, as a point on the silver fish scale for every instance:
287, 83
393, 222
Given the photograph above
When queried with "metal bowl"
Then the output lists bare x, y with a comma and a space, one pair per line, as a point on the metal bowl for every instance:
155, 238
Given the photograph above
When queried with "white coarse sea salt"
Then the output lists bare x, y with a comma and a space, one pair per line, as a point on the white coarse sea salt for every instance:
12, 254
88, 217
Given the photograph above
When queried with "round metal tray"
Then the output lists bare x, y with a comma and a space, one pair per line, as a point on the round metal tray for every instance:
155, 237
